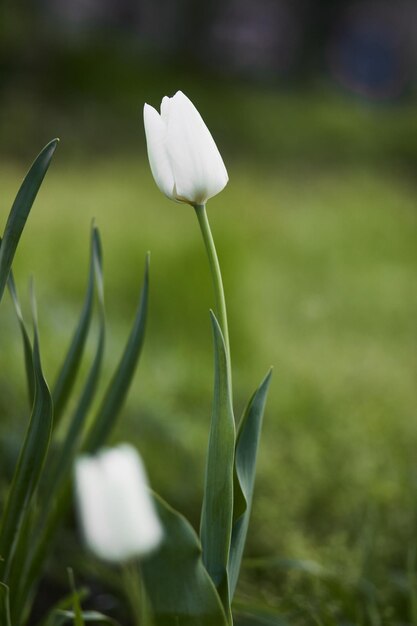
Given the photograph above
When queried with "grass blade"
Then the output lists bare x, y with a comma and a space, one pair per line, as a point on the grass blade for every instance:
179, 588
120, 383
245, 466
67, 374
21, 209
76, 604
30, 461
27, 346
217, 511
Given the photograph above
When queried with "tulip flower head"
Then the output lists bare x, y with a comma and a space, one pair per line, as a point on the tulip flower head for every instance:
116, 509
185, 161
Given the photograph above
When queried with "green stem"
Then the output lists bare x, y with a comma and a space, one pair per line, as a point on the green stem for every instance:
216, 274
136, 594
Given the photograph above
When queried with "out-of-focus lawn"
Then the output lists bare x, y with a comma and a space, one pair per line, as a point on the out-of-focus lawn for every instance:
318, 265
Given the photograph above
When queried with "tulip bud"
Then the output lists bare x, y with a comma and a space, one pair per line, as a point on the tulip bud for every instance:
185, 162
116, 509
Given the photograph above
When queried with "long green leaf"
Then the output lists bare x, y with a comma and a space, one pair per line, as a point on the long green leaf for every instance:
179, 588
4, 606
20, 555
21, 209
102, 424
68, 371
37, 554
27, 346
120, 383
30, 462
55, 490
62, 464
245, 466
217, 510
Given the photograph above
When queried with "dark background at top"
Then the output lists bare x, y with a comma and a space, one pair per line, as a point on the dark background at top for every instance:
70, 66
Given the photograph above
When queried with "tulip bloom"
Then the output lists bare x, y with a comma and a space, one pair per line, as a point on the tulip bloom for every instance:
117, 513
185, 161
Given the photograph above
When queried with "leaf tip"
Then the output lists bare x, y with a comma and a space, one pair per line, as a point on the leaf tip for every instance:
53, 144
268, 376
147, 265
215, 323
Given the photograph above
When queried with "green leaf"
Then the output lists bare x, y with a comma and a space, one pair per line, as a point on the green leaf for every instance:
56, 492
27, 346
21, 209
30, 461
62, 464
217, 511
4, 606
68, 371
101, 426
120, 383
245, 466
179, 588
18, 562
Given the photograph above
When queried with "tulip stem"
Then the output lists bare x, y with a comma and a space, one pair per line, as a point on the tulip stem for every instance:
216, 274
136, 594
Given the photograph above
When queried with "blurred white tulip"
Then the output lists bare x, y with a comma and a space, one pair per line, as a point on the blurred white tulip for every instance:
116, 509
185, 162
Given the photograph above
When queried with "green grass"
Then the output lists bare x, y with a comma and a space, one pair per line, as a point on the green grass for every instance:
318, 267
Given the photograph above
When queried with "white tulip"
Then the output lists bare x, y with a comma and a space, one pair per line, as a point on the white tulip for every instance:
185, 162
116, 509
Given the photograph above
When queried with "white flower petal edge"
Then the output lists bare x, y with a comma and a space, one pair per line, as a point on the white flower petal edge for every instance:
155, 131
185, 161
116, 509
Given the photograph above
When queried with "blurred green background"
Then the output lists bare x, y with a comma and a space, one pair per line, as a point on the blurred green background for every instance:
313, 107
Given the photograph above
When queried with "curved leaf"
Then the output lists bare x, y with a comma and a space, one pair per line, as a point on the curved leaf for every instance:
120, 383
66, 377
62, 464
245, 466
180, 591
217, 511
56, 484
30, 462
21, 209
27, 346
101, 426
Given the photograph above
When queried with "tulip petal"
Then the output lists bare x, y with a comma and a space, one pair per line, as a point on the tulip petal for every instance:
116, 509
197, 166
124, 474
165, 105
155, 130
